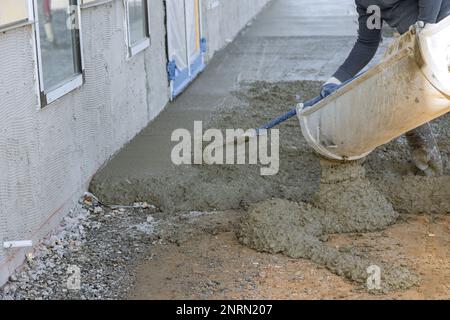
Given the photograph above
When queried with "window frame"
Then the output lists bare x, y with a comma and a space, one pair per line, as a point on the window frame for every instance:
23, 22
133, 50
93, 3
50, 95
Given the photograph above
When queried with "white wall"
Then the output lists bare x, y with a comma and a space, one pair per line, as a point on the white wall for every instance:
48, 156
223, 19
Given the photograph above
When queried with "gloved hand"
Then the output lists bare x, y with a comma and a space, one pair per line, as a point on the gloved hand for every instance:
425, 151
421, 25
330, 86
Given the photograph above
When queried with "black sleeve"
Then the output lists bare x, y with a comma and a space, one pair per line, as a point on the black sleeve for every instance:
363, 51
429, 10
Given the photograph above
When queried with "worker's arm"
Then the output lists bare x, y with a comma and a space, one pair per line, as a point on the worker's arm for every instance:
429, 10
363, 51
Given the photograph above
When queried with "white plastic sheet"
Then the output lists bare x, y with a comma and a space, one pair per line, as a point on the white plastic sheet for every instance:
193, 29
176, 32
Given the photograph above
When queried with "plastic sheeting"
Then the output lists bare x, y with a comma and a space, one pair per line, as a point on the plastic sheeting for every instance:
176, 32
183, 24
193, 29
184, 38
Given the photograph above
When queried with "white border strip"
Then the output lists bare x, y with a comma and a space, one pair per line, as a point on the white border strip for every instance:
69, 86
134, 50
94, 3
145, 43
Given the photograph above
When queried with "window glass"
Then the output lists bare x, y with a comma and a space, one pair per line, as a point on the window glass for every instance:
13, 11
59, 41
137, 20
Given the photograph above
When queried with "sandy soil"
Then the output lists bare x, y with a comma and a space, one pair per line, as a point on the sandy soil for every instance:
204, 260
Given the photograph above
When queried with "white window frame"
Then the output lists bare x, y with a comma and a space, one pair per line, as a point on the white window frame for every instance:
93, 3
50, 95
144, 44
23, 22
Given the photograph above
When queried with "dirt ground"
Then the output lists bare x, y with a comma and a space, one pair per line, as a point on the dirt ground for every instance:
200, 256
206, 261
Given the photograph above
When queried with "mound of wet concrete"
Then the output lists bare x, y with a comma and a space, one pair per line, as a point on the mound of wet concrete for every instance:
346, 202
349, 201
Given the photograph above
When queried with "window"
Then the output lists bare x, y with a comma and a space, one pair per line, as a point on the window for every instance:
59, 48
15, 13
137, 21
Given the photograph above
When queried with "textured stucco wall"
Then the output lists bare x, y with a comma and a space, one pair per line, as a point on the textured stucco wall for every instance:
48, 156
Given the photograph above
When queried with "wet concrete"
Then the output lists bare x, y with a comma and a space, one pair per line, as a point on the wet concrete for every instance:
345, 202
297, 230
281, 45
349, 201
203, 187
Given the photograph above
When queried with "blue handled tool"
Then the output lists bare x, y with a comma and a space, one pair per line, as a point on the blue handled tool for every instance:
246, 137
307, 104
287, 115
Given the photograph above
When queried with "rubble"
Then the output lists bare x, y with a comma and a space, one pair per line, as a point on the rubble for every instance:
101, 248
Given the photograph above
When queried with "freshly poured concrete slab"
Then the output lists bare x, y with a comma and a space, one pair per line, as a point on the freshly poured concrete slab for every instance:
286, 42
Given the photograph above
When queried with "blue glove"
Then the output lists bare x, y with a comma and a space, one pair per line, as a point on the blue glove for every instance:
328, 89
330, 86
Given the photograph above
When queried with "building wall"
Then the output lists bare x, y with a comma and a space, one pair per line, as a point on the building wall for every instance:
223, 19
48, 156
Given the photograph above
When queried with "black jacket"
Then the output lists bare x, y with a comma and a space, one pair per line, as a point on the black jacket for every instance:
399, 14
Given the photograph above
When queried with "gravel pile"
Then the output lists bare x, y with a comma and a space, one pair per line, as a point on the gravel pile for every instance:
89, 256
